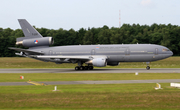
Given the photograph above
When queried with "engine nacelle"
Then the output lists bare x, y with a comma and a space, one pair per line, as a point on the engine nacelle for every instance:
33, 42
113, 63
99, 62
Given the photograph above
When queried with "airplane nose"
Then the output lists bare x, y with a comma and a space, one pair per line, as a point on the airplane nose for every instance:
168, 54
171, 53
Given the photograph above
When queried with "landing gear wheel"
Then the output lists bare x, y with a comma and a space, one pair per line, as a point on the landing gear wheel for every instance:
148, 67
86, 67
77, 68
90, 67
82, 67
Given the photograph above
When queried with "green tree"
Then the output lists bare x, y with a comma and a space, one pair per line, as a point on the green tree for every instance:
88, 38
104, 36
80, 35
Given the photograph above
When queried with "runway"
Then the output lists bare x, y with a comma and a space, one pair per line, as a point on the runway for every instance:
92, 82
122, 70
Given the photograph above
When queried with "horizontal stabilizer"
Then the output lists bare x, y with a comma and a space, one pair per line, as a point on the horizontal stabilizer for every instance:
27, 51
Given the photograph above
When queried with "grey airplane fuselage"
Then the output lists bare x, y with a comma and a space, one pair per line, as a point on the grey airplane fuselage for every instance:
114, 53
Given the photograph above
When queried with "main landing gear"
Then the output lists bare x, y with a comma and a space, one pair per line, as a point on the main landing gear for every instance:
80, 67
84, 68
148, 67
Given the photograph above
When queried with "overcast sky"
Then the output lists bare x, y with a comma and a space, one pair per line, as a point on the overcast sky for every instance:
76, 14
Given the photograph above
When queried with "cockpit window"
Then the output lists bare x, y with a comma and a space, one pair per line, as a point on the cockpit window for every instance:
164, 50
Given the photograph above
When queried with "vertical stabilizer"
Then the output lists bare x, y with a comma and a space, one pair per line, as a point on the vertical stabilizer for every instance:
29, 30
32, 37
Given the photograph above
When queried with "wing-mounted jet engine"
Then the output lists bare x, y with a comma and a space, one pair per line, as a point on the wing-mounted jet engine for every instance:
99, 62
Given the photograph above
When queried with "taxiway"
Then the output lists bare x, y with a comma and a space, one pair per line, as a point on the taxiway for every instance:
122, 70
158, 70
91, 82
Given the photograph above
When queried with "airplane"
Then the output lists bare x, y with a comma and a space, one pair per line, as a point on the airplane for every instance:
91, 55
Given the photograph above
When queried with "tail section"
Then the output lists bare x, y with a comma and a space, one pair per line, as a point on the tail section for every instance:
32, 37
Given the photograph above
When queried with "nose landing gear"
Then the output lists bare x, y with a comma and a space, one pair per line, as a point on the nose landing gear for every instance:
148, 67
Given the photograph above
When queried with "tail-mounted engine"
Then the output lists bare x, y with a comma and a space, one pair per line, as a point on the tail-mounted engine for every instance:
33, 42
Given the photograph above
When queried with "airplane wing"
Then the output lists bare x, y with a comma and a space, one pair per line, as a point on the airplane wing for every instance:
36, 54
67, 57
81, 57
27, 51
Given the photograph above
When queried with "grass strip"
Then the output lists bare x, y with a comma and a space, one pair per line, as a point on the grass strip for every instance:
15, 77
109, 96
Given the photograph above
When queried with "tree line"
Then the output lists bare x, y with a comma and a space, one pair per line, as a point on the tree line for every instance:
166, 35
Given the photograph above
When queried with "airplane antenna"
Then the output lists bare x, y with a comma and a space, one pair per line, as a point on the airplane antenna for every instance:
119, 18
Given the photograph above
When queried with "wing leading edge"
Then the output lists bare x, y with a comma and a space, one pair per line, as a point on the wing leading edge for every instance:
85, 57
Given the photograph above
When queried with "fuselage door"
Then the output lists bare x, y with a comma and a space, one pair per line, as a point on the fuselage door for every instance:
127, 55
156, 51
92, 52
127, 51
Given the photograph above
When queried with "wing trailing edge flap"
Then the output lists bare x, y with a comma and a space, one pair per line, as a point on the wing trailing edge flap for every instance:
27, 51
72, 57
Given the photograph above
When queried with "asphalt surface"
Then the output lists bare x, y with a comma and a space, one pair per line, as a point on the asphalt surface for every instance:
91, 82
159, 70
131, 70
